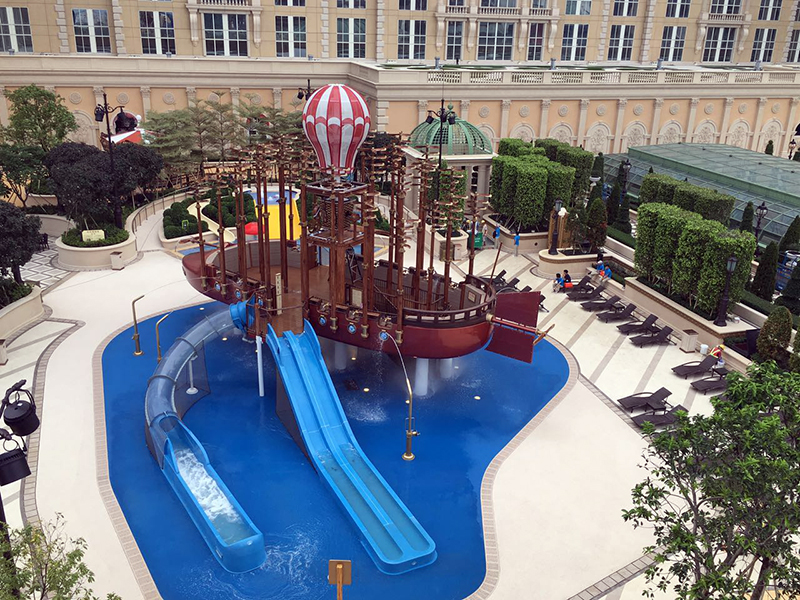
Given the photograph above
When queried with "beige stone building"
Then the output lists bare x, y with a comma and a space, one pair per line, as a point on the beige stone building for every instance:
604, 93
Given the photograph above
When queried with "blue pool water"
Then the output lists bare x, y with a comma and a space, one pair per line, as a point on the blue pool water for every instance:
302, 523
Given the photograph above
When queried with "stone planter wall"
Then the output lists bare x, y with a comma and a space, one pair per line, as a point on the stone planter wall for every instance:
576, 265
55, 225
20, 313
89, 259
42, 200
619, 249
460, 244
173, 243
528, 242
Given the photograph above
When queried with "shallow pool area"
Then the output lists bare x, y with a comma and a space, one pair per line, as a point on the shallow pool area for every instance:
464, 422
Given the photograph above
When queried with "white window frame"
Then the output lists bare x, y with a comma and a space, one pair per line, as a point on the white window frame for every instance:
296, 38
678, 9
413, 5
498, 3
16, 28
770, 10
356, 4
347, 39
626, 8
227, 40
763, 44
411, 44
673, 44
579, 7
726, 7
290, 2
620, 42
536, 36
487, 44
158, 32
573, 48
455, 40
793, 55
718, 45
94, 27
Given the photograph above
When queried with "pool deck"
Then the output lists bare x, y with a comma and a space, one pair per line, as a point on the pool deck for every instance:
552, 499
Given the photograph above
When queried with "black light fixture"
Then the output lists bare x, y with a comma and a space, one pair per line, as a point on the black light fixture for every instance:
305, 93
722, 311
761, 212
554, 241
429, 119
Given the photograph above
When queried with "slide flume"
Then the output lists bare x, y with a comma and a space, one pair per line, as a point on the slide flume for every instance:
393, 537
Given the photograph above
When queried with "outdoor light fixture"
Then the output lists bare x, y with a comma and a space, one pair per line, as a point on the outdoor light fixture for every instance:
722, 312
761, 212
660, 64
305, 93
429, 119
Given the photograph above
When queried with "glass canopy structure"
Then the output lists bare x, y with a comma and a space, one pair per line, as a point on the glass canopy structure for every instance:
460, 138
748, 176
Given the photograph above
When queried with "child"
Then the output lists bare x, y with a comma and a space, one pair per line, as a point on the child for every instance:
558, 283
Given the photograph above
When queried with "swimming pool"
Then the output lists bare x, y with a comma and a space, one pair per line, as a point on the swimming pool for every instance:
464, 422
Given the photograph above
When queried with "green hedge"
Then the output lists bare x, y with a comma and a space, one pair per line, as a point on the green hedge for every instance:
763, 306
689, 256
708, 203
582, 161
11, 291
741, 244
178, 221
531, 190
229, 210
550, 147
622, 237
496, 183
515, 147
559, 185
657, 187
114, 235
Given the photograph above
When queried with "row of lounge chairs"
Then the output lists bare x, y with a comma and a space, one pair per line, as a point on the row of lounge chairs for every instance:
655, 406
713, 383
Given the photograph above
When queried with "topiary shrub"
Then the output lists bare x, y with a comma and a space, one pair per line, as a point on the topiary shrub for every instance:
712, 278
114, 235
646, 238
649, 190
763, 284
746, 224
550, 147
689, 254
792, 235
171, 231
790, 297
794, 359
596, 224
770, 148
775, 335
671, 224
560, 180
582, 161
496, 183
530, 192
514, 147
508, 189
623, 222
612, 204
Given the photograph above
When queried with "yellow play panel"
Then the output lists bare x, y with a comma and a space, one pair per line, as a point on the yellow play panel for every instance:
275, 223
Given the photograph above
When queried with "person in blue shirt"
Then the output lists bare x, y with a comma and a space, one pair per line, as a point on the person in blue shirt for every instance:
606, 273
496, 234
558, 283
516, 244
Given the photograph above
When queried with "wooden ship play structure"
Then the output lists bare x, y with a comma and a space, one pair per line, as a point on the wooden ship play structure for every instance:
331, 276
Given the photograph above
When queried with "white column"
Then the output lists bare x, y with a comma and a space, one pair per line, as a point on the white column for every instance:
339, 356
726, 118
277, 97
621, 104
98, 94
421, 377
757, 129
422, 110
582, 121
789, 127
446, 368
543, 121
260, 360
145, 91
3, 106
382, 116
191, 95
657, 104
464, 110
692, 114
506, 105
235, 93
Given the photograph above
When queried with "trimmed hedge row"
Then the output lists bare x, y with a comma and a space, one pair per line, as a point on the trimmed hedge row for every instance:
114, 235
517, 147
694, 268
229, 210
708, 203
178, 221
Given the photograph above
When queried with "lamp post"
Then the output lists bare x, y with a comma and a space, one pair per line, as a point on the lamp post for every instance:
19, 415
792, 146
305, 93
554, 239
625, 169
761, 212
722, 311
104, 111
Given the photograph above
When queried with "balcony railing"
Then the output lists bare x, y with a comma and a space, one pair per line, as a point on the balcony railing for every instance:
500, 10
234, 3
725, 18
457, 10
540, 12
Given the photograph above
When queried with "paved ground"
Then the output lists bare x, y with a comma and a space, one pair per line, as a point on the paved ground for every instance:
557, 498
41, 268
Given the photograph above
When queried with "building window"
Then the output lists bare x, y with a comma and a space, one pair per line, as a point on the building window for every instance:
536, 41
794, 47
406, 30
290, 2
92, 33
290, 41
672, 42
573, 42
725, 7
770, 10
351, 3
495, 41
226, 35
763, 45
538, 3
351, 38
625, 8
620, 46
455, 34
579, 7
499, 3
15, 30
158, 32
413, 4
719, 44
678, 8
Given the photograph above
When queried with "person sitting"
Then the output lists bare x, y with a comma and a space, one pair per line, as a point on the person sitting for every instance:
558, 283
716, 352
605, 274
567, 280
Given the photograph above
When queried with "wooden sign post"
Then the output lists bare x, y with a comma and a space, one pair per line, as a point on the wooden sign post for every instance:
340, 573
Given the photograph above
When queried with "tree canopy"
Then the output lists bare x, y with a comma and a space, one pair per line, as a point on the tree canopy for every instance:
19, 237
38, 118
20, 167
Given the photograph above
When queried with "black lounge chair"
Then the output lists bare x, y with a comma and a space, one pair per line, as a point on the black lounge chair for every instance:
582, 287
527, 288
659, 420
617, 315
499, 277
593, 305
513, 283
654, 338
542, 298
652, 400
586, 294
715, 383
696, 367
639, 326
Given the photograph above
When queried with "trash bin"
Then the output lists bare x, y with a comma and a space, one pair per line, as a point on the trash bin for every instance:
688, 340
3, 353
704, 349
116, 261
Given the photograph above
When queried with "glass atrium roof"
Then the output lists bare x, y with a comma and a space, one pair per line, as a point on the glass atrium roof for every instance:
748, 176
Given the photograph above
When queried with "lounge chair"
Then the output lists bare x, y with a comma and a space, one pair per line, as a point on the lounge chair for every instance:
659, 420
651, 400
696, 367
657, 338
715, 383
527, 288
513, 283
593, 305
617, 315
583, 283
638, 326
499, 277
586, 294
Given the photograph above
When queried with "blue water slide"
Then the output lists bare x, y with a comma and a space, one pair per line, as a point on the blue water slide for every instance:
392, 536
224, 525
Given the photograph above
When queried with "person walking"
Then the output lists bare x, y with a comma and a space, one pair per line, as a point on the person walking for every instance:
516, 244
496, 235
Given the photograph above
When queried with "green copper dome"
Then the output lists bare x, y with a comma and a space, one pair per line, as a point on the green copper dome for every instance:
460, 138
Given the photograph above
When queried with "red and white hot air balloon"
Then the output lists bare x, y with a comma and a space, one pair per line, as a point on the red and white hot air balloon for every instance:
336, 122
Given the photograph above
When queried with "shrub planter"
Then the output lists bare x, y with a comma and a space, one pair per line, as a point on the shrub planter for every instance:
679, 318
577, 264
42, 200
90, 259
528, 242
173, 243
21, 313
55, 225
458, 239
620, 249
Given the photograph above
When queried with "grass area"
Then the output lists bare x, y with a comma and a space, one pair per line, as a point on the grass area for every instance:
764, 306
114, 235
621, 237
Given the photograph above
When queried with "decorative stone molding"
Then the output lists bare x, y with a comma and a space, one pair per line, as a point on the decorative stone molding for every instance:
277, 97
191, 95
50, 88
145, 92
75, 98
708, 108
235, 94
600, 110
213, 97
638, 109
465, 109
484, 111
168, 98
761, 102
694, 101
255, 99
658, 102
563, 111
584, 103
123, 98
61, 23
98, 94
729, 101
506, 104
524, 111
742, 108
673, 109
119, 27
775, 108
546, 103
